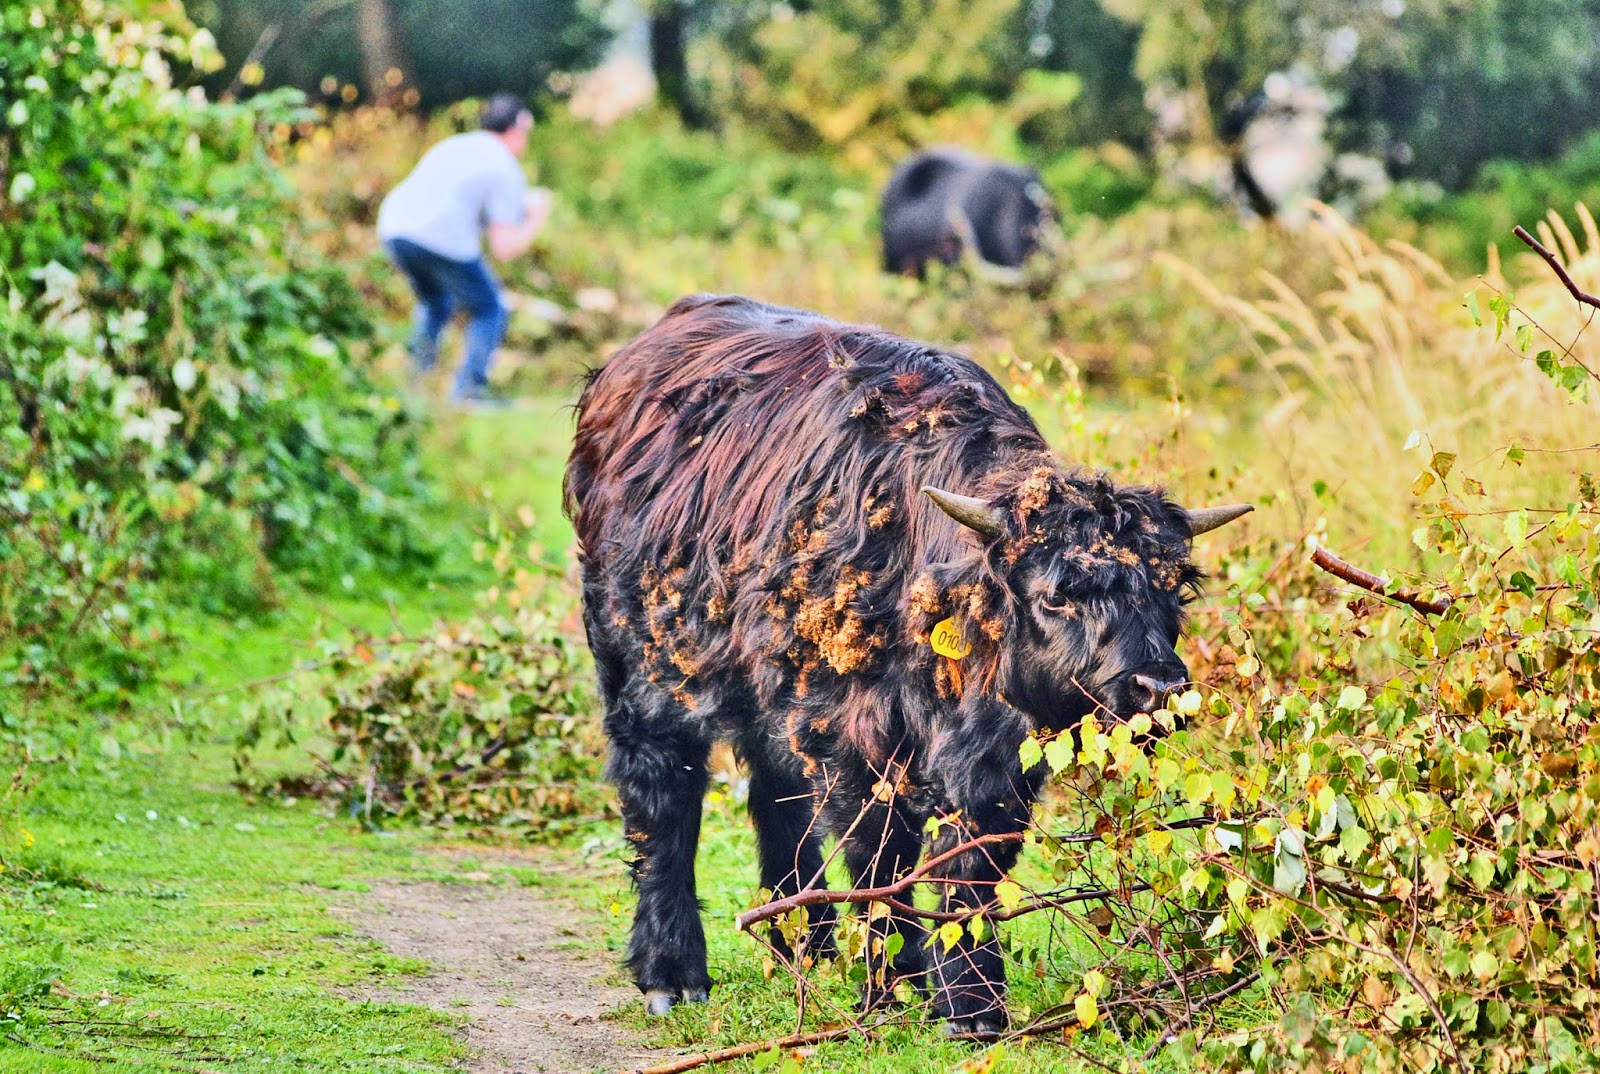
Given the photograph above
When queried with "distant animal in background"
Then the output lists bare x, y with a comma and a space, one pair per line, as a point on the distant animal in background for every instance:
951, 206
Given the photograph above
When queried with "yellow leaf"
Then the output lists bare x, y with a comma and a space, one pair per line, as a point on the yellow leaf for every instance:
1088, 1011
1223, 963
1009, 894
950, 933
1158, 840
1188, 702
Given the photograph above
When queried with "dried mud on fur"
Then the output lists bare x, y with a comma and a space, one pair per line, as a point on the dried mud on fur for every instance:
526, 971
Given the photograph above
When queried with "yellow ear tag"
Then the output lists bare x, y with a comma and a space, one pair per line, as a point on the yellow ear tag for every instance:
947, 640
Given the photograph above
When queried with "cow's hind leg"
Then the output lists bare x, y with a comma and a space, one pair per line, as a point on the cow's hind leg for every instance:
883, 848
783, 808
658, 765
991, 795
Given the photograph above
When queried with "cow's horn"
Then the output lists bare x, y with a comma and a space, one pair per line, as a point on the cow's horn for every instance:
1202, 519
970, 511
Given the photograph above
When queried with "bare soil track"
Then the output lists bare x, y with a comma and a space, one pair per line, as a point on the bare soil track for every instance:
526, 969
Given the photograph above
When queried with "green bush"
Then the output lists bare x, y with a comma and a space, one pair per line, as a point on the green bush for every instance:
183, 404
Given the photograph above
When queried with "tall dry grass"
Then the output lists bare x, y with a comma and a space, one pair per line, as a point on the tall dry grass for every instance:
1365, 379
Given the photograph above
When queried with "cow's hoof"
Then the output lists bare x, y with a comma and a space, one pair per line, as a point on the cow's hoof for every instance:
658, 1002
980, 1027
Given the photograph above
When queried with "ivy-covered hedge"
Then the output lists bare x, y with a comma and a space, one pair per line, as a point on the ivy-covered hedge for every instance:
184, 406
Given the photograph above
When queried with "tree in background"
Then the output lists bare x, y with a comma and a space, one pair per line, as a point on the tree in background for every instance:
447, 51
865, 77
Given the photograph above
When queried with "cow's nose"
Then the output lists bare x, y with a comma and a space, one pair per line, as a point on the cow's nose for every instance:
1153, 689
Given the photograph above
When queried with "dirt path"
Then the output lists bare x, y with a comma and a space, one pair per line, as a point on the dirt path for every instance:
527, 970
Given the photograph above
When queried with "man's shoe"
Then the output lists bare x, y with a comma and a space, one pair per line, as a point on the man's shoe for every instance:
480, 399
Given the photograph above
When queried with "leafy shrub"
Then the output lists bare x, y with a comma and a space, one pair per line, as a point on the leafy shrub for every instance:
183, 399
487, 722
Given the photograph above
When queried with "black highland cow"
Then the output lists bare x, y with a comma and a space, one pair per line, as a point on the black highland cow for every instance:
765, 550
948, 205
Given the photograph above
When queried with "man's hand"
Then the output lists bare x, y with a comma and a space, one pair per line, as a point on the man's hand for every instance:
507, 241
539, 202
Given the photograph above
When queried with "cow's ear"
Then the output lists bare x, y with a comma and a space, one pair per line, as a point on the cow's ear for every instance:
1203, 519
971, 512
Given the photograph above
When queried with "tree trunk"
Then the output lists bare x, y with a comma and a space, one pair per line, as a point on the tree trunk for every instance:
385, 53
669, 60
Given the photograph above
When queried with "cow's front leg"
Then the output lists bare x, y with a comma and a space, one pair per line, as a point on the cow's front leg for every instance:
990, 797
661, 781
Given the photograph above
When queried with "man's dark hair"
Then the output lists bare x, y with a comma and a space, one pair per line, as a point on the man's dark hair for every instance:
500, 112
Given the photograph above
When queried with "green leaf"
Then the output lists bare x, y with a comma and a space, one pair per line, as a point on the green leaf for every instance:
1351, 698
1197, 788
1523, 583
1481, 868
1472, 309
1060, 754
1524, 337
1030, 752
1485, 965
1500, 306
1269, 922
1516, 527
1288, 873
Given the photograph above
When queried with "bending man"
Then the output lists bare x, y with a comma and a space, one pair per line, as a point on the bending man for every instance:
433, 225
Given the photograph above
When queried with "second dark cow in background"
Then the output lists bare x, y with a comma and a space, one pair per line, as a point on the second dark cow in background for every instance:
949, 205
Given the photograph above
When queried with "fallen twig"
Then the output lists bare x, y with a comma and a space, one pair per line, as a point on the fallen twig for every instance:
819, 897
723, 1055
1363, 579
1210, 999
889, 893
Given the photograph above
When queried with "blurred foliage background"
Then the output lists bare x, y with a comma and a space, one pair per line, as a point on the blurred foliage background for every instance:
1449, 100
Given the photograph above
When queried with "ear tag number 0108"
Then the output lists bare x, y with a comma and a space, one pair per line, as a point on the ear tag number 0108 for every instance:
947, 639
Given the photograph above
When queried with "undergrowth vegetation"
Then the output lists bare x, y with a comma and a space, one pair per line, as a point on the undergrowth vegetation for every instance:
184, 403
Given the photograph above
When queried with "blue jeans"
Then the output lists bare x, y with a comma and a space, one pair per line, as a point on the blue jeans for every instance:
443, 286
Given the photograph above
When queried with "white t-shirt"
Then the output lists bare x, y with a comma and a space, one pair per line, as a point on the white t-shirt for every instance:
459, 188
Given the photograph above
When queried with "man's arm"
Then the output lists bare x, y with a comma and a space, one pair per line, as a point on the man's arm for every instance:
507, 241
